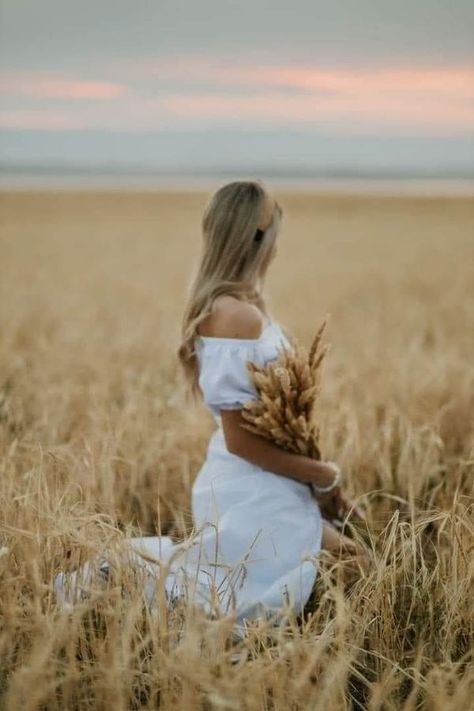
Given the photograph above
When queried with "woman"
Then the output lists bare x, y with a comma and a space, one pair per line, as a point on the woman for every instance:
258, 526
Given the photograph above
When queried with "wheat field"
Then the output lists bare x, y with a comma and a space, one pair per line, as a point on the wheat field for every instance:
97, 442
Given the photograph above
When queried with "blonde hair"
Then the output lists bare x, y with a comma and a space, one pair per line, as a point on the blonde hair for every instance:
235, 247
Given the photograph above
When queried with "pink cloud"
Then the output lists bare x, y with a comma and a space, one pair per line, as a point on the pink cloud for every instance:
277, 106
435, 97
457, 82
42, 119
53, 87
190, 95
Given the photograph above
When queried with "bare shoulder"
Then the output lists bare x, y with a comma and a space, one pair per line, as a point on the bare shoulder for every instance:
232, 318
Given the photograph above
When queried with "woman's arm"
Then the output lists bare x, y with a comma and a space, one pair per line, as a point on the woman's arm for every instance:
235, 319
270, 456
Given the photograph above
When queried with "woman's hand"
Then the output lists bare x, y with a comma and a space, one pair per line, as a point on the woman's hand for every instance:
335, 504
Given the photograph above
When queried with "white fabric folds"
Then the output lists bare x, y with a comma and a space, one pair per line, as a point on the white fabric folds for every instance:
256, 533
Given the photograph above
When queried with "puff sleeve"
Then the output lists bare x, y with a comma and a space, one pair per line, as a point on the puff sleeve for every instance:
224, 379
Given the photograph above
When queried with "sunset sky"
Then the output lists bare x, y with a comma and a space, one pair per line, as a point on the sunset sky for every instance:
172, 84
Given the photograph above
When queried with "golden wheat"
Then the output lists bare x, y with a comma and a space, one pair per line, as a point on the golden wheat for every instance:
96, 444
287, 390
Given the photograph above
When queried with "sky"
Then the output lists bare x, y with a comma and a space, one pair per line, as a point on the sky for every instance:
300, 85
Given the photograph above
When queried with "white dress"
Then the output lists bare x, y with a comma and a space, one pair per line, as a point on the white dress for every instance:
257, 533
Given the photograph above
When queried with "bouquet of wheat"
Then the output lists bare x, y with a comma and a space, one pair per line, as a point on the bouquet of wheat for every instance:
284, 412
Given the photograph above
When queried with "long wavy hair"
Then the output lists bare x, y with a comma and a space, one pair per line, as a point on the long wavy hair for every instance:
236, 245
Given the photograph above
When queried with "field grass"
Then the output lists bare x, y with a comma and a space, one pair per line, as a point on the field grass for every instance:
97, 441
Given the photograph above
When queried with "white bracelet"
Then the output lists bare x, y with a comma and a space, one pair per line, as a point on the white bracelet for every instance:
327, 489
335, 482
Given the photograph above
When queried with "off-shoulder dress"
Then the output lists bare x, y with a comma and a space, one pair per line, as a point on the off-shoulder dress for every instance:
256, 533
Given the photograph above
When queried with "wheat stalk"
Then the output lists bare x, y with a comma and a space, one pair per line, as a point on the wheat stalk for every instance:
287, 390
